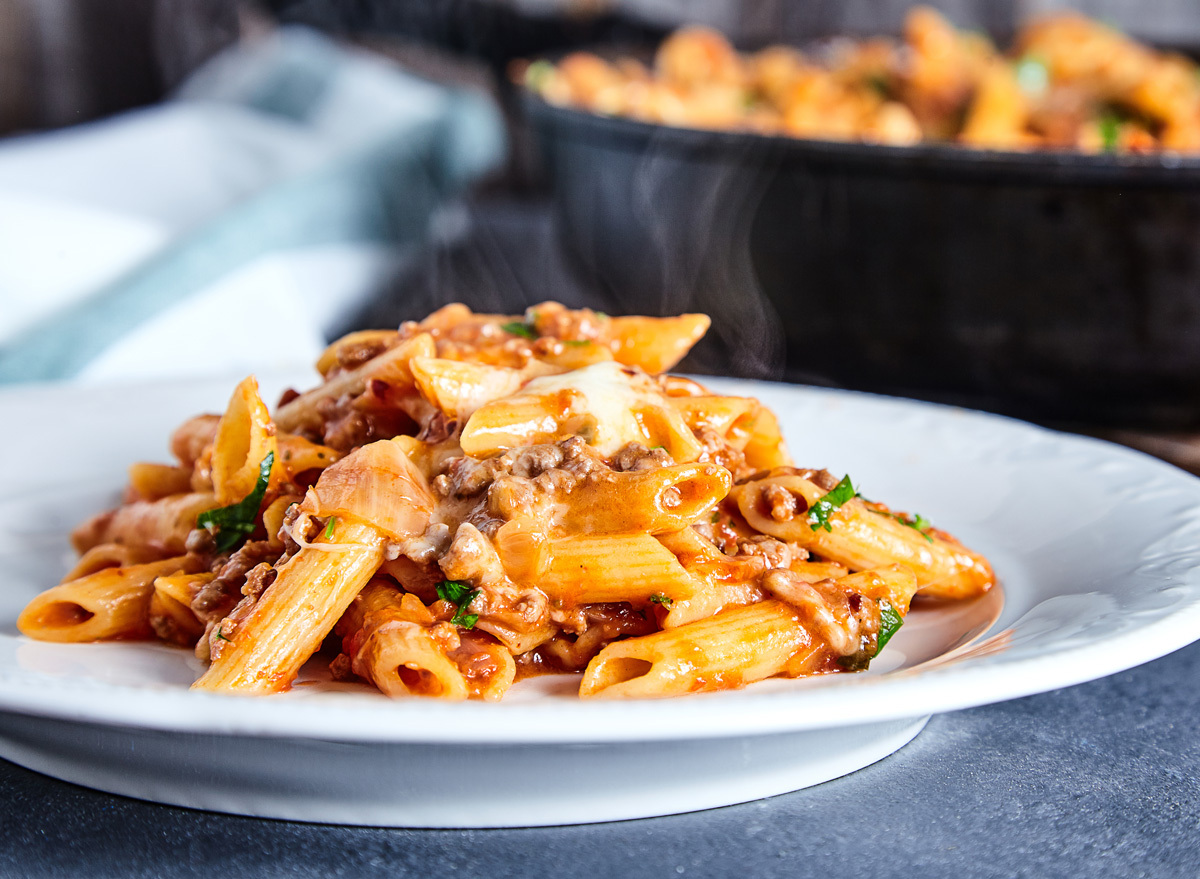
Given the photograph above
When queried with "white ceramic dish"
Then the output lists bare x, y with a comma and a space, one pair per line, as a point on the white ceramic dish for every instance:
1097, 548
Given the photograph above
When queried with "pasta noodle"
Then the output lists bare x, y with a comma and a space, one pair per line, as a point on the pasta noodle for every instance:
475, 498
1068, 82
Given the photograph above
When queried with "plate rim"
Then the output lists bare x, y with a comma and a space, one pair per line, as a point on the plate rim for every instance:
890, 696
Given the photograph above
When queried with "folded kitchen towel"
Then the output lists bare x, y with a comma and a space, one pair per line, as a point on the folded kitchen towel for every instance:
230, 228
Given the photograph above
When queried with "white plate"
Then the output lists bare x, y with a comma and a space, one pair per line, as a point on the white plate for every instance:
1096, 547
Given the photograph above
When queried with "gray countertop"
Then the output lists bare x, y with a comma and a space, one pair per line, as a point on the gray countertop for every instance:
1097, 780
1093, 781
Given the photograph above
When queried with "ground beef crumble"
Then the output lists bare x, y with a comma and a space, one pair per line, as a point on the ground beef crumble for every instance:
217, 597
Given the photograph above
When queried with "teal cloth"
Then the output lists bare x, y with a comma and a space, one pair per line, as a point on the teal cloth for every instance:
381, 190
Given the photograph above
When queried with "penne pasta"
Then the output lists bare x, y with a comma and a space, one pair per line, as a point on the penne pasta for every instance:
193, 437
859, 538
107, 555
170, 613
605, 403
151, 482
109, 603
245, 437
651, 501
389, 642
376, 484
299, 456
154, 528
394, 641
731, 649
476, 498
718, 413
655, 344
592, 569
727, 581
458, 387
355, 348
765, 448
263, 652
391, 367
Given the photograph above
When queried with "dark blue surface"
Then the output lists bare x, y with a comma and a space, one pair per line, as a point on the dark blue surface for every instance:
1093, 781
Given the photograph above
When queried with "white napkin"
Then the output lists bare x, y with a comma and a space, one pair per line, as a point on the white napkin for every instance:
229, 229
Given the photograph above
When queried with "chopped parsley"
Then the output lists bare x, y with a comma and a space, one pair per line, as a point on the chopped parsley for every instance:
716, 517
601, 315
878, 83
460, 595
659, 598
519, 328
1110, 132
919, 522
577, 343
329, 526
819, 513
221, 635
913, 520
231, 525
1033, 76
890, 622
538, 74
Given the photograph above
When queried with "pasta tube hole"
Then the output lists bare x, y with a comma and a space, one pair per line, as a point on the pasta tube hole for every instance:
689, 491
420, 681
781, 503
620, 669
693, 489
63, 615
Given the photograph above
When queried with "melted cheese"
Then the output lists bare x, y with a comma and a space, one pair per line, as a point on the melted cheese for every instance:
607, 404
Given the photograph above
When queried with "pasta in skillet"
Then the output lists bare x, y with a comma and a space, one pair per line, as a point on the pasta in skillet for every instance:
476, 498
1068, 82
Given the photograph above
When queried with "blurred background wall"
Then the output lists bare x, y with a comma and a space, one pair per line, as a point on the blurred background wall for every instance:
68, 61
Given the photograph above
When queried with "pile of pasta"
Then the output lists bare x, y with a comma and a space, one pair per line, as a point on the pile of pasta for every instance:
475, 498
1069, 82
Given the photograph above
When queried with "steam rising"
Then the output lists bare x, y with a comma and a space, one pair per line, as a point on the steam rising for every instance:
696, 214
655, 231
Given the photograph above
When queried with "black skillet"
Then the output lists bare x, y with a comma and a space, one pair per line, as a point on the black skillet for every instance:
1048, 285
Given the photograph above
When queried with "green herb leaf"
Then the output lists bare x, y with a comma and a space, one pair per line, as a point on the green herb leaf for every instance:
716, 517
1033, 76
878, 83
538, 74
517, 328
461, 595
329, 526
819, 513
659, 598
221, 635
453, 591
466, 620
855, 661
913, 520
576, 343
601, 315
1110, 132
890, 622
231, 525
